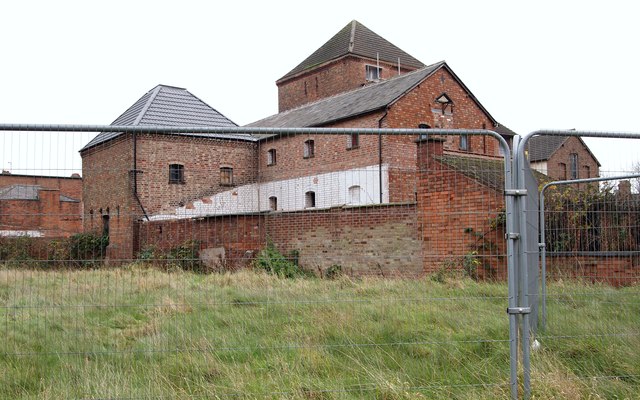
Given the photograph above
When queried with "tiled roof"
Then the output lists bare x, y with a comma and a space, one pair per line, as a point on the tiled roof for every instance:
356, 39
503, 130
541, 148
346, 105
170, 106
27, 192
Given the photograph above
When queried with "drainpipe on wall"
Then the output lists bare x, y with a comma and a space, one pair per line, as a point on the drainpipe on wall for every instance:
135, 175
386, 111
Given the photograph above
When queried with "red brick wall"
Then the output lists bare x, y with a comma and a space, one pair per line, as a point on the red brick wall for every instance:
69, 186
455, 217
331, 153
586, 162
202, 159
242, 236
616, 271
108, 191
370, 240
335, 77
47, 214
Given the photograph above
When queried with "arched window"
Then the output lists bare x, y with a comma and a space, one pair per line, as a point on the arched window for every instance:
310, 199
273, 203
354, 194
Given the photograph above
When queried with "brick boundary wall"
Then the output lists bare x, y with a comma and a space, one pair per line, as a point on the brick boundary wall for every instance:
614, 270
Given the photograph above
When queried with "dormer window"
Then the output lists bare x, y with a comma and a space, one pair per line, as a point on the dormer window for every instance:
373, 73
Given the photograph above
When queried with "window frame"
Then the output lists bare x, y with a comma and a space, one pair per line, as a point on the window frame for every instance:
272, 157
309, 150
465, 143
368, 73
351, 143
176, 174
574, 166
273, 203
226, 176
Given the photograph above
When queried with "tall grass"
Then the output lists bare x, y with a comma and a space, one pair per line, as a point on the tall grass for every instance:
137, 332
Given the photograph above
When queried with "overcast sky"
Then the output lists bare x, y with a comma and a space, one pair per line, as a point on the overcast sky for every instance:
533, 65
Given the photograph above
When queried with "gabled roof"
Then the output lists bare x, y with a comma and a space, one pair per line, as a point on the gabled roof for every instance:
169, 106
358, 40
541, 148
27, 192
356, 102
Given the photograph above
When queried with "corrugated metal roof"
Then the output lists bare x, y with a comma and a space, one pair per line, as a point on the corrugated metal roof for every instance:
170, 106
345, 105
356, 39
27, 192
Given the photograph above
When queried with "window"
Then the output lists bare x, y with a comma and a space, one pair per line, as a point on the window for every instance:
587, 171
372, 72
310, 199
353, 141
464, 142
226, 176
573, 157
354, 194
424, 126
309, 148
271, 157
273, 203
176, 173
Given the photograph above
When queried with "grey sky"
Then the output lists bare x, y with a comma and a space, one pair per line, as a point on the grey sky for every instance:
543, 64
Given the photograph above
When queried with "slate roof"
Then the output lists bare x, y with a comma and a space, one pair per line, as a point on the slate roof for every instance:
170, 106
488, 172
542, 147
503, 130
27, 192
349, 104
358, 40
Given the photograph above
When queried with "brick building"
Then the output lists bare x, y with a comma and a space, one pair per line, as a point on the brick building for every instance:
368, 202
40, 206
563, 157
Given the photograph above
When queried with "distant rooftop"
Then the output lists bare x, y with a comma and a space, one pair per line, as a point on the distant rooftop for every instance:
27, 192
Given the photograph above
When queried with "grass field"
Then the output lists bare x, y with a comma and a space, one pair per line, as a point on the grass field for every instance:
138, 332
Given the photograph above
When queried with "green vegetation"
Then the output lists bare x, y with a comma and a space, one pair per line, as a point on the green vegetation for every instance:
141, 332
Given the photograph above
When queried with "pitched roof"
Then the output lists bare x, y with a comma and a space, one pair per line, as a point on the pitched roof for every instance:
349, 104
356, 102
27, 192
169, 106
542, 147
487, 172
503, 130
356, 39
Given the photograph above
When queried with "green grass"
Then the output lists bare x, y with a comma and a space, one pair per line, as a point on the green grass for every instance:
137, 332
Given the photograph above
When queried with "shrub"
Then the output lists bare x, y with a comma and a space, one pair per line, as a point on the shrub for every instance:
273, 262
86, 248
184, 256
333, 272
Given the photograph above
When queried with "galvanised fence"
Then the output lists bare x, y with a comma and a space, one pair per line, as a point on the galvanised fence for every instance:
191, 262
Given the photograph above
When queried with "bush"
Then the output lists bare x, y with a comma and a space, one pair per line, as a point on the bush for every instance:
184, 256
86, 248
333, 272
273, 262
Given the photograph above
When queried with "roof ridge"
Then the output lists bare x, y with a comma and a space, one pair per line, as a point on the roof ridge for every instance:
365, 87
150, 100
352, 36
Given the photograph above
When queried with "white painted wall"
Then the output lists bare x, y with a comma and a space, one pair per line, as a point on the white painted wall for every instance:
331, 189
540, 166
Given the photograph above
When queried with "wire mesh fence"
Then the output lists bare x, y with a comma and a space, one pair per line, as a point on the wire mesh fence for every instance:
282, 264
